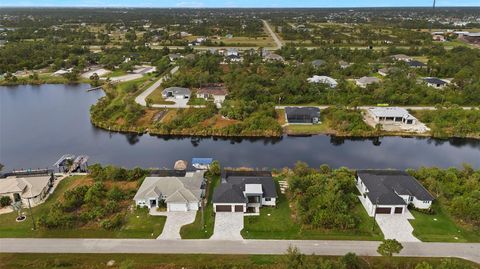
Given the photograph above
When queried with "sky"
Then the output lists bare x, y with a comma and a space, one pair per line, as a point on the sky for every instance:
232, 3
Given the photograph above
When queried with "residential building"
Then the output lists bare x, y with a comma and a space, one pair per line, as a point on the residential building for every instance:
22, 189
391, 191
174, 56
177, 193
244, 191
318, 63
435, 82
232, 51
364, 81
386, 115
302, 115
332, 83
344, 64
416, 64
401, 57
176, 92
272, 57
217, 92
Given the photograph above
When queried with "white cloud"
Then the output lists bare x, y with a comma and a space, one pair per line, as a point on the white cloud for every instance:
190, 4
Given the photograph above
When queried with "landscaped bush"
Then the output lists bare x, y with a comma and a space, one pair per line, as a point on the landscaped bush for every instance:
5, 201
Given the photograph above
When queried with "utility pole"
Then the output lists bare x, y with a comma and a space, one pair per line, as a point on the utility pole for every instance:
31, 214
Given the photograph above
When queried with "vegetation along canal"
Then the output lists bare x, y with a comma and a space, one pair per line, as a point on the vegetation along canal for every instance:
57, 122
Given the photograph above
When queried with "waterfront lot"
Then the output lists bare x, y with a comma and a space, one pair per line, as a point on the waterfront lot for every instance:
278, 223
137, 223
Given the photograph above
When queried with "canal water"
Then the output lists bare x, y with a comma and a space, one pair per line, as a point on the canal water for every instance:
38, 124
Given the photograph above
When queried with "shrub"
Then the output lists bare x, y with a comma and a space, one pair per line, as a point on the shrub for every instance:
5, 201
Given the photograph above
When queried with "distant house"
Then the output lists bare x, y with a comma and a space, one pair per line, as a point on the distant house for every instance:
21, 189
176, 92
232, 51
234, 58
401, 57
272, 57
391, 191
438, 37
177, 193
384, 71
318, 63
386, 115
332, 83
174, 56
364, 81
217, 92
416, 64
302, 115
435, 82
62, 72
344, 64
244, 191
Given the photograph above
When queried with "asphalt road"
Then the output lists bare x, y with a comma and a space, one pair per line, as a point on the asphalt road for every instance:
140, 99
272, 33
469, 251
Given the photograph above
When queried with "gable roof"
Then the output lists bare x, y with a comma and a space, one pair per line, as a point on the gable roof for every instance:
175, 189
385, 186
318, 62
368, 80
415, 63
323, 79
177, 91
28, 187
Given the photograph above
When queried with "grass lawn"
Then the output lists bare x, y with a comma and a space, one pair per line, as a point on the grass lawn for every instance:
157, 98
142, 226
440, 227
44, 261
277, 223
301, 129
115, 73
195, 229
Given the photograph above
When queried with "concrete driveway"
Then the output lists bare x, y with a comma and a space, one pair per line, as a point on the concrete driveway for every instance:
228, 226
174, 222
397, 226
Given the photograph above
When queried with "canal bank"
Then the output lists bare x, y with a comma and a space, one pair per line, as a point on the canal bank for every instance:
57, 122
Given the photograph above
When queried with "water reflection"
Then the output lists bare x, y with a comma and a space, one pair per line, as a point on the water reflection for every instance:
34, 134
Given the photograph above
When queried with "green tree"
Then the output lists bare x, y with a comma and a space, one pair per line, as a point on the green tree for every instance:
94, 79
351, 261
389, 247
215, 168
294, 259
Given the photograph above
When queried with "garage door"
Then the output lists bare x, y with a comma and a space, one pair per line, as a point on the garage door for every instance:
383, 210
177, 207
223, 208
398, 210
239, 208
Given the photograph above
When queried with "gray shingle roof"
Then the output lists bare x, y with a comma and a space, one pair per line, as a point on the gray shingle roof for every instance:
434, 81
233, 185
384, 185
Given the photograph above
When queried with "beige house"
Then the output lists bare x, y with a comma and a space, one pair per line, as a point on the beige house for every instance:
20, 189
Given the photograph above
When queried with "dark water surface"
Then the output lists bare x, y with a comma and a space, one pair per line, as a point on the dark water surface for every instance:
38, 124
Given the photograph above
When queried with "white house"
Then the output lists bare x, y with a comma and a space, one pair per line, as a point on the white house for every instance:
272, 57
363, 82
332, 83
176, 192
390, 192
385, 115
21, 189
401, 57
176, 92
232, 52
244, 191
217, 92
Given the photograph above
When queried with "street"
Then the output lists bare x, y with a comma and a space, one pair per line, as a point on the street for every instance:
469, 251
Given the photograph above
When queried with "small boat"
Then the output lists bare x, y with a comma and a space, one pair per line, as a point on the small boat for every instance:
202, 163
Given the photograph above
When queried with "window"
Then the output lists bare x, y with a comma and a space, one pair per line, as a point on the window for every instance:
268, 199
